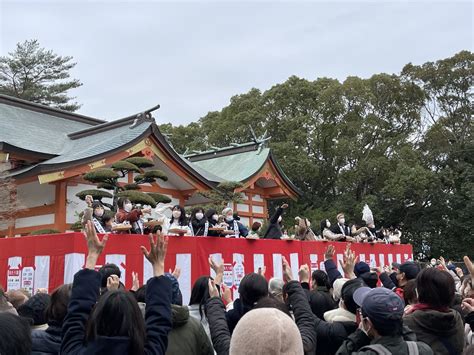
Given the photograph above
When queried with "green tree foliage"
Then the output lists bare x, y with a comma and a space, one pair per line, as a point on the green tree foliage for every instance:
35, 74
400, 143
108, 178
222, 195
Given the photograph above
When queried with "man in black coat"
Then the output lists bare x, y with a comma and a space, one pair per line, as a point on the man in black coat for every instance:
340, 227
274, 227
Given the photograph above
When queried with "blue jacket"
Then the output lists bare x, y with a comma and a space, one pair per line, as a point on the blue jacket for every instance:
85, 292
46, 341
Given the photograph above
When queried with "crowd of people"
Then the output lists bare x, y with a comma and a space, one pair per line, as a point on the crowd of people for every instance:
227, 223
398, 309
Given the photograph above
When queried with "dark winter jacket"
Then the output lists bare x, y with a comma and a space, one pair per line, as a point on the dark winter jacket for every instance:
85, 291
199, 227
274, 228
220, 334
336, 228
234, 315
332, 271
187, 335
442, 331
46, 341
243, 231
394, 344
320, 301
304, 318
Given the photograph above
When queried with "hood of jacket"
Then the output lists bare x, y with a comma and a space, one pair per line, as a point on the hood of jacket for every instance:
179, 315
339, 315
442, 324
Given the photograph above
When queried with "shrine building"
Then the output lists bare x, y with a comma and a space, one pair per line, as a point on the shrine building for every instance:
49, 150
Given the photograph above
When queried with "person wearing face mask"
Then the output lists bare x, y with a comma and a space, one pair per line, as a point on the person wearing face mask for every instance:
342, 228
126, 213
95, 213
213, 219
233, 224
381, 328
199, 224
178, 220
274, 226
327, 233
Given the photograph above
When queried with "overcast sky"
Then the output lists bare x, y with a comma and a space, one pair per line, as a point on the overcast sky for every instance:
191, 57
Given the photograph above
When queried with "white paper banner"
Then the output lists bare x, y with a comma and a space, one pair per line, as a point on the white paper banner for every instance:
120, 261
258, 262
147, 270
295, 265
239, 272
72, 264
183, 261
277, 266
42, 272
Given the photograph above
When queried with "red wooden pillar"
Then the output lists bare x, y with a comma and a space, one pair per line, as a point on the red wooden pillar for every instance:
60, 206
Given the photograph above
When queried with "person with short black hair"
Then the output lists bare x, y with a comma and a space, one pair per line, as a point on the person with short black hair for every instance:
252, 288
432, 318
320, 299
34, 309
49, 341
381, 326
15, 335
404, 272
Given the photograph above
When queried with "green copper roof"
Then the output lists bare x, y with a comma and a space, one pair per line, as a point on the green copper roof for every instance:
35, 131
235, 167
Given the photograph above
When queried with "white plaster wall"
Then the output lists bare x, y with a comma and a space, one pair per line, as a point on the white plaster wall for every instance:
75, 204
257, 198
257, 209
34, 194
34, 221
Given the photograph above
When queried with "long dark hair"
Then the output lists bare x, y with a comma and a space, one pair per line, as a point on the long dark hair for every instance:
252, 288
200, 293
209, 213
182, 220
117, 314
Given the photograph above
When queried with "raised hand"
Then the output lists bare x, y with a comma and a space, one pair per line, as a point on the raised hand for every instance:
303, 273
287, 273
88, 199
94, 245
262, 270
284, 206
348, 262
226, 294
135, 281
113, 282
218, 269
470, 268
213, 291
176, 272
468, 305
442, 262
329, 252
157, 254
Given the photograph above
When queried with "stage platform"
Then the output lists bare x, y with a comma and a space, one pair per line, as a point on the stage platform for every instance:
47, 261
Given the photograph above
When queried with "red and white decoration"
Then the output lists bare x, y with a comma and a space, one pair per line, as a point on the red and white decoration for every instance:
49, 261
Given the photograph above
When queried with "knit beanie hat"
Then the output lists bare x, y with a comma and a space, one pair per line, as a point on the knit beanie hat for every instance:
35, 308
337, 287
266, 331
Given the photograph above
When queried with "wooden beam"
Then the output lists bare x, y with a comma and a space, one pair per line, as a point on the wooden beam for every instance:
60, 206
36, 211
28, 230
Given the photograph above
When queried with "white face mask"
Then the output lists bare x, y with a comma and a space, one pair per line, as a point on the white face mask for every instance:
342, 221
215, 217
279, 219
199, 216
328, 224
99, 212
176, 214
229, 218
127, 207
